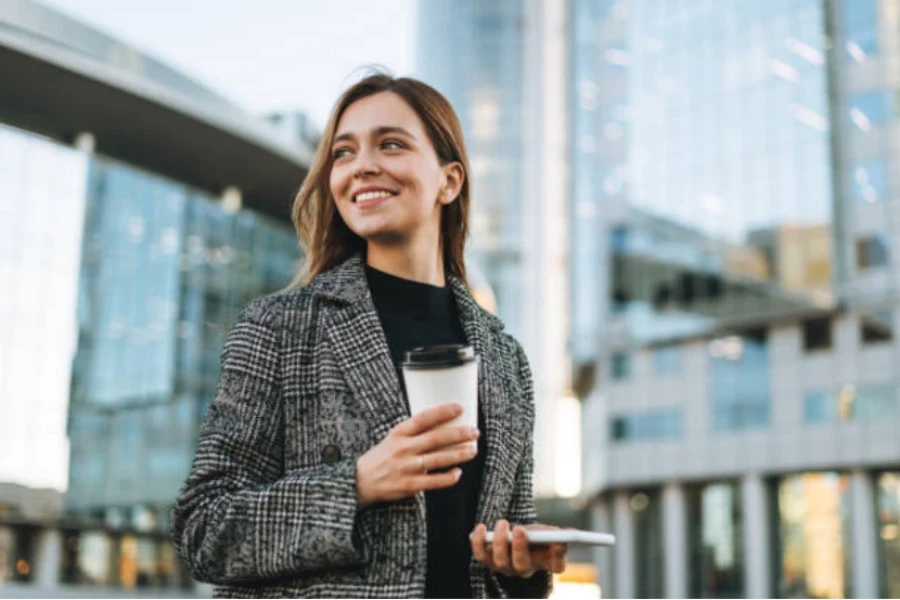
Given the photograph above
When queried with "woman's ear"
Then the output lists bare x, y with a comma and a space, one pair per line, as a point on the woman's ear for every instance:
454, 176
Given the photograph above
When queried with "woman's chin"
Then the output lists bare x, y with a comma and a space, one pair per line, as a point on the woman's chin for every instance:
381, 235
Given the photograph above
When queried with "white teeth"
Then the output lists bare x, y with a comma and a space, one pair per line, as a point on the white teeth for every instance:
372, 195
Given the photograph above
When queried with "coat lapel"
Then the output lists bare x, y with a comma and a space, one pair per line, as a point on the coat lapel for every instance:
481, 329
358, 341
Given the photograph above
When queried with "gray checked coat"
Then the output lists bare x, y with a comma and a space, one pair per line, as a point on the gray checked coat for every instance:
308, 385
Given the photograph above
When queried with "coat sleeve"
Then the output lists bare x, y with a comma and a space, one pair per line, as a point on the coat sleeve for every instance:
240, 519
522, 509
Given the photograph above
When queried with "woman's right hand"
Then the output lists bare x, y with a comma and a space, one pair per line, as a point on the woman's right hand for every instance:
398, 466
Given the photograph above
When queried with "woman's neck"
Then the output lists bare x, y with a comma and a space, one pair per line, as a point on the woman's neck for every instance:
407, 262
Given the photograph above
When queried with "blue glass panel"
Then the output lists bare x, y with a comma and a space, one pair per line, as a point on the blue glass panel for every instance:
875, 401
819, 407
877, 107
662, 424
869, 181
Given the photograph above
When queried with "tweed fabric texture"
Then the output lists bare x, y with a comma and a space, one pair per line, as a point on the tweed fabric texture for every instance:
307, 386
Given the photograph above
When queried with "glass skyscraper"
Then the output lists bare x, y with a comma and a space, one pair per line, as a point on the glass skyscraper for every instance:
735, 181
472, 52
125, 259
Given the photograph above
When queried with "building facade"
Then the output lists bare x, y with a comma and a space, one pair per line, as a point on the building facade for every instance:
735, 185
495, 62
140, 213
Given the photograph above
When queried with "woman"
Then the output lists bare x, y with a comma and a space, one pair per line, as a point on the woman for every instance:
310, 478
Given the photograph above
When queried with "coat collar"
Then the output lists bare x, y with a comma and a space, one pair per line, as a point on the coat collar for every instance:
346, 283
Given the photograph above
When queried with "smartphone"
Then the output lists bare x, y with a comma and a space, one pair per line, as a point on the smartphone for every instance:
575, 537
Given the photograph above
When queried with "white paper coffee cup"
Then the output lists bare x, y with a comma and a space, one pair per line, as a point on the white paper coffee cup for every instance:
441, 375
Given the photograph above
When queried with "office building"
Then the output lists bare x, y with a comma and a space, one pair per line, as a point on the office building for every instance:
139, 212
735, 187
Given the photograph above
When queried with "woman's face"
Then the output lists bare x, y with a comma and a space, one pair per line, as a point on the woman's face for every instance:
386, 179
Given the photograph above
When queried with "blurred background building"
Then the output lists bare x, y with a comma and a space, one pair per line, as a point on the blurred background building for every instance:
728, 188
735, 187
685, 210
140, 213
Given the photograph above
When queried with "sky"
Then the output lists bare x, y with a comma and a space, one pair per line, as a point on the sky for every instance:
264, 55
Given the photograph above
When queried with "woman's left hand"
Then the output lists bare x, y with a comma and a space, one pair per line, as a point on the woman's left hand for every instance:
517, 559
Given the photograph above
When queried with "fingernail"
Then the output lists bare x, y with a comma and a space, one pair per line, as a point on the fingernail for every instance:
473, 432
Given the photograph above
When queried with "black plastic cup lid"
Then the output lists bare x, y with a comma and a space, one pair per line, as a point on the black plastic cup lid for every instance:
435, 357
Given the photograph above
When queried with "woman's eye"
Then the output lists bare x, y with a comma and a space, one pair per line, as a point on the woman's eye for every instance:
391, 145
340, 153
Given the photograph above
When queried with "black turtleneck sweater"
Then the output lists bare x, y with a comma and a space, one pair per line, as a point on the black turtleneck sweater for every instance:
416, 314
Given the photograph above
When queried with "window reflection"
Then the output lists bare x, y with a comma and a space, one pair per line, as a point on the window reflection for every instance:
94, 558
814, 518
715, 529
860, 27
871, 108
872, 251
723, 171
166, 272
876, 327
851, 402
739, 381
620, 366
869, 181
651, 425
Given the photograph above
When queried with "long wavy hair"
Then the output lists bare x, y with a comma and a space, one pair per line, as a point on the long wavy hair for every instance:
326, 238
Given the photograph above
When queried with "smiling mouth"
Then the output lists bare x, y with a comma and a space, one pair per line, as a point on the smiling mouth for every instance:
372, 197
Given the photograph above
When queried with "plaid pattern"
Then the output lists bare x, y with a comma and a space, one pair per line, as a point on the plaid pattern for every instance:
267, 511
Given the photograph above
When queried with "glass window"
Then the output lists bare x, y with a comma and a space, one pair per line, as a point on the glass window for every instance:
889, 533
739, 381
877, 327
621, 366
715, 537
817, 334
871, 108
860, 27
94, 558
869, 182
819, 407
666, 359
814, 550
662, 424
872, 251
875, 401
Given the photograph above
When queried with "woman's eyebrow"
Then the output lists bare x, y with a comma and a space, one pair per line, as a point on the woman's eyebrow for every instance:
375, 132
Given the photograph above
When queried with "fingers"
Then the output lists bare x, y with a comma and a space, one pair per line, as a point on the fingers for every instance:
442, 459
500, 547
521, 557
434, 481
442, 437
550, 558
428, 419
558, 551
479, 549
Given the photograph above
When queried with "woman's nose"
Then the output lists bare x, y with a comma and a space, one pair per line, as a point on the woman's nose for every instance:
367, 164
